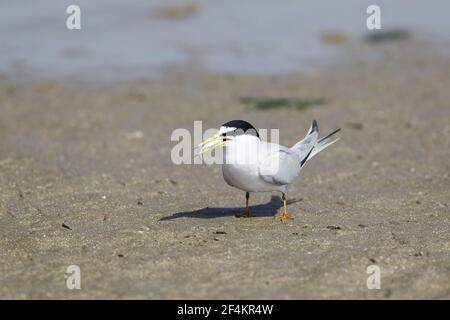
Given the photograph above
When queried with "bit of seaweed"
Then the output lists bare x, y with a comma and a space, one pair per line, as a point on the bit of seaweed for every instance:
388, 36
300, 104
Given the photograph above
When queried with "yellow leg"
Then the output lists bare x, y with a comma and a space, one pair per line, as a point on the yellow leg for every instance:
284, 216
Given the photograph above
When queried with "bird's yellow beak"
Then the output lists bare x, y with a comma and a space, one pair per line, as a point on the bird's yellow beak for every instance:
212, 143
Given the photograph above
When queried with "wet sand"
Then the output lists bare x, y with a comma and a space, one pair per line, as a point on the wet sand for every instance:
86, 179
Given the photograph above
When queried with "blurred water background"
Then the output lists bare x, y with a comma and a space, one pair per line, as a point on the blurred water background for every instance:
122, 40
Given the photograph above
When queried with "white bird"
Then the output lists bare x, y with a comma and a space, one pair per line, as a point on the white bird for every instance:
253, 165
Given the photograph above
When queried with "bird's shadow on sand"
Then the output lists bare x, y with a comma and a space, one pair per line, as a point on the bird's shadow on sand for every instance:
268, 209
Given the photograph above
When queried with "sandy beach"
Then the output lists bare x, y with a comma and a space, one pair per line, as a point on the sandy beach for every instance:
86, 179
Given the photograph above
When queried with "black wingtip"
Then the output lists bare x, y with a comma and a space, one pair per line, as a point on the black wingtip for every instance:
306, 158
314, 127
329, 135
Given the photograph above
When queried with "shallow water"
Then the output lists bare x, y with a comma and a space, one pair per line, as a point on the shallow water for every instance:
127, 39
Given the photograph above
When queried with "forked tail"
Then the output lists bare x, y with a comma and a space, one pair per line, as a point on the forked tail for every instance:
311, 144
323, 143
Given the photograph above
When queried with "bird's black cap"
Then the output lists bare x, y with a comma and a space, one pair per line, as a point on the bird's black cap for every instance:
242, 127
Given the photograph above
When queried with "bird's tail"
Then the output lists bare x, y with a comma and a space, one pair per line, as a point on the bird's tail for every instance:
311, 144
323, 143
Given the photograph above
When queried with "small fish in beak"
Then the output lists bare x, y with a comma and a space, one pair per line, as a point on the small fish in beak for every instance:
212, 143
220, 139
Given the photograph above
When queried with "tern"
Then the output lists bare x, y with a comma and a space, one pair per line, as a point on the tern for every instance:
253, 165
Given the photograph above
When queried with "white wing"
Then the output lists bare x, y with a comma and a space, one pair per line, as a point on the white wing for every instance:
305, 147
280, 167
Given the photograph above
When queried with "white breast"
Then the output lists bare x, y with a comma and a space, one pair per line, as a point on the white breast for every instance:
241, 164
